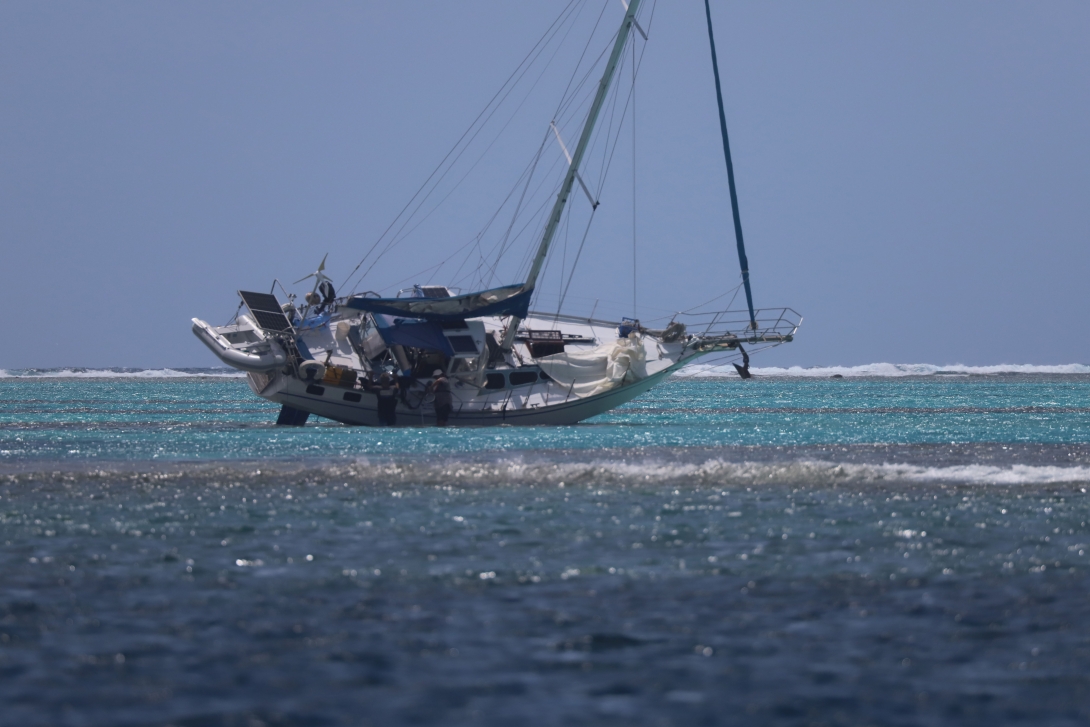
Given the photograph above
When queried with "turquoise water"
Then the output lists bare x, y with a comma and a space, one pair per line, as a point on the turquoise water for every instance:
72, 421
868, 550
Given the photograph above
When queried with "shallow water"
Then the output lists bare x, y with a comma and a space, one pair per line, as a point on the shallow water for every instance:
813, 551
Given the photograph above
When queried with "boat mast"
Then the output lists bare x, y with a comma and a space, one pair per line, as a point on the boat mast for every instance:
743, 262
573, 166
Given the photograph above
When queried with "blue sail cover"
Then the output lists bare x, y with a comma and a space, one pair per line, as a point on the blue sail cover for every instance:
412, 332
506, 301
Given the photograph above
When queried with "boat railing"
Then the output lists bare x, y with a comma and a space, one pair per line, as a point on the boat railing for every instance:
721, 329
731, 327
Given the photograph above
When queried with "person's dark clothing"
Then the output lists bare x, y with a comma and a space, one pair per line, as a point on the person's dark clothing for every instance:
404, 383
444, 403
387, 401
442, 414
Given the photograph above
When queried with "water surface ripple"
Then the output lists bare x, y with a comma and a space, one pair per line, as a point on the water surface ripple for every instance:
776, 552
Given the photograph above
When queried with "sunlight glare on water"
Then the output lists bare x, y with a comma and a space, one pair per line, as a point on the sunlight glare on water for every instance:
793, 550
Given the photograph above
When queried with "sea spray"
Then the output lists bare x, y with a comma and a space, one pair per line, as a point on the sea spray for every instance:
883, 370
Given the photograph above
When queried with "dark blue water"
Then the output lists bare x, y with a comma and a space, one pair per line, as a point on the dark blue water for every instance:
780, 551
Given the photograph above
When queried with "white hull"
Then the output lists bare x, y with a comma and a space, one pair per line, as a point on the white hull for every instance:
331, 405
501, 363
638, 364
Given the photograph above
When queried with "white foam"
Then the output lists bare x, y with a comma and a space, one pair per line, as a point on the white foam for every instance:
1018, 474
119, 373
600, 472
708, 472
884, 370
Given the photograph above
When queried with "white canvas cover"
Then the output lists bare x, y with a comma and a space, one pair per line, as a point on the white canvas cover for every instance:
600, 369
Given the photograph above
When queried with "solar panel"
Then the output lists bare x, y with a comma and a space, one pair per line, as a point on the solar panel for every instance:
266, 310
271, 321
260, 301
434, 291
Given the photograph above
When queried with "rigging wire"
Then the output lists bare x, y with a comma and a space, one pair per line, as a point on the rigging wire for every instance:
514, 216
563, 260
476, 239
582, 55
608, 161
575, 262
733, 290
534, 220
607, 131
566, 285
484, 256
577, 87
534, 52
401, 234
503, 245
582, 90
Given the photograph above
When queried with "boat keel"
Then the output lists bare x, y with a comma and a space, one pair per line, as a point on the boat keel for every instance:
292, 417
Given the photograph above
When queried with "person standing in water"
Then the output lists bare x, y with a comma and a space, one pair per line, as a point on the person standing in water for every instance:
387, 391
443, 402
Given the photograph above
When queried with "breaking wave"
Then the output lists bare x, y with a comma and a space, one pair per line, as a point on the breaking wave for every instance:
119, 373
886, 370
529, 471
714, 472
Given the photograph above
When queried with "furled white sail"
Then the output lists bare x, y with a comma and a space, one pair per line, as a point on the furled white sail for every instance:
600, 369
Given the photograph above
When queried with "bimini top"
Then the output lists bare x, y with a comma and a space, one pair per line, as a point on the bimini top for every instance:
506, 301
412, 332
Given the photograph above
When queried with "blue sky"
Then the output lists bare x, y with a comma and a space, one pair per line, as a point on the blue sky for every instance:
912, 177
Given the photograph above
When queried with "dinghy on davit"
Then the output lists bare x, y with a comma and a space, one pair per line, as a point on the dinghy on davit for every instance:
505, 363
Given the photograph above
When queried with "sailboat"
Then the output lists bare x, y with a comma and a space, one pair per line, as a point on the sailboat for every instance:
503, 362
